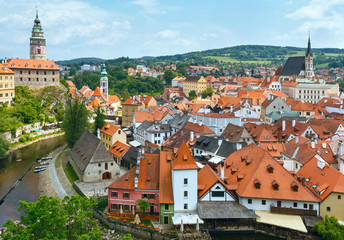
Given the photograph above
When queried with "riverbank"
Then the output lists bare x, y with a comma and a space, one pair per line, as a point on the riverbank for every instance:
17, 146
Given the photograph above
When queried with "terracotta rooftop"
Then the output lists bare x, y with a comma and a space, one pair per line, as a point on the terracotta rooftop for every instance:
184, 159
165, 178
5, 69
110, 129
119, 149
17, 63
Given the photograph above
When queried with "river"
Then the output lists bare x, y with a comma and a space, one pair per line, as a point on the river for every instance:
11, 169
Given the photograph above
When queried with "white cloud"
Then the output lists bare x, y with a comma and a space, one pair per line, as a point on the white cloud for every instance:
167, 34
149, 6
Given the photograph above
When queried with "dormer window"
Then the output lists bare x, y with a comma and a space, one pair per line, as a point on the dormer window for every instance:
294, 186
13, 64
257, 184
234, 170
240, 176
275, 185
270, 168
243, 158
26, 65
248, 161
40, 65
185, 157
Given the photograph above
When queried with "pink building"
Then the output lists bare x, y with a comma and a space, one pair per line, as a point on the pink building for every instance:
140, 182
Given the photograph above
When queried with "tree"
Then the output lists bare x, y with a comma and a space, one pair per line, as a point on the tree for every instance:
329, 228
143, 205
99, 121
125, 94
168, 76
3, 147
52, 218
207, 93
192, 94
75, 120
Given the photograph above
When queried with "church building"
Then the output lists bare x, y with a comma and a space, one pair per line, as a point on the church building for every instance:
36, 72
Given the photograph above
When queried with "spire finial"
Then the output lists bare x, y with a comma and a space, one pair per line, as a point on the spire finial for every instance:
36, 11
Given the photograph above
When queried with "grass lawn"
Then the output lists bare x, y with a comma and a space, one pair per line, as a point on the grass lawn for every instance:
58, 161
323, 65
71, 175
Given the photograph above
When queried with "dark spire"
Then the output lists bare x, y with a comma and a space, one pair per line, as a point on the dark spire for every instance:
309, 50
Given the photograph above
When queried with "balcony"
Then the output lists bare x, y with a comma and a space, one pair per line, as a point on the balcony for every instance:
294, 211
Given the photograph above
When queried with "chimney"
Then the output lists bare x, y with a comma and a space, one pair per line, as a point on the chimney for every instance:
98, 133
136, 182
222, 174
297, 138
303, 179
192, 136
283, 125
200, 123
323, 145
340, 149
231, 108
313, 143
293, 123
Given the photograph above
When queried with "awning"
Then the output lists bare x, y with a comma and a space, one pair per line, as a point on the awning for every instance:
135, 143
224, 210
215, 160
281, 220
186, 218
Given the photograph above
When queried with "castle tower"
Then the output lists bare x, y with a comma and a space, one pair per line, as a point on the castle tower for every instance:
309, 73
104, 83
37, 41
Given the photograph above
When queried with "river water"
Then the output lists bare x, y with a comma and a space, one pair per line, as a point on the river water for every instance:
12, 168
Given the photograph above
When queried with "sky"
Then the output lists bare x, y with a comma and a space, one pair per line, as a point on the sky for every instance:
114, 28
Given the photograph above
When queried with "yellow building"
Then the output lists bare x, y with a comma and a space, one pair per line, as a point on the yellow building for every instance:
109, 134
6, 85
194, 83
134, 104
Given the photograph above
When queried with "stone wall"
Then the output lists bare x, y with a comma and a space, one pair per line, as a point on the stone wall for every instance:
134, 230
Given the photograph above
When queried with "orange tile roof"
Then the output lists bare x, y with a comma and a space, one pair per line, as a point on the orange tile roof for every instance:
113, 98
204, 129
165, 178
126, 181
252, 165
96, 102
184, 159
328, 179
17, 63
207, 178
5, 70
110, 129
274, 149
149, 172
119, 149
147, 99
261, 133
98, 93
226, 102
70, 84
72, 91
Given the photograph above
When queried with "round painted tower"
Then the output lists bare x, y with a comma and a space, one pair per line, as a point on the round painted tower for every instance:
37, 41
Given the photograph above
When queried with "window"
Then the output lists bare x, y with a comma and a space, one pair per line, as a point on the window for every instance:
264, 202
217, 194
114, 194
279, 203
165, 219
111, 164
185, 181
305, 205
249, 201
126, 195
328, 209
99, 164
151, 196
185, 206
185, 194
144, 195
166, 207
294, 204
339, 197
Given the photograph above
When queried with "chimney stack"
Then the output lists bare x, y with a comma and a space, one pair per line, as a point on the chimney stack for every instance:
313, 143
222, 174
192, 136
98, 133
297, 138
324, 145
293, 123
283, 125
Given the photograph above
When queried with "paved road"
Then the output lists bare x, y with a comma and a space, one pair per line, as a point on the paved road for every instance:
54, 179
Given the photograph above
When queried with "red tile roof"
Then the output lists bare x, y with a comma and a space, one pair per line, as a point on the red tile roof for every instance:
119, 149
110, 129
5, 70
253, 164
70, 84
17, 63
184, 159
165, 178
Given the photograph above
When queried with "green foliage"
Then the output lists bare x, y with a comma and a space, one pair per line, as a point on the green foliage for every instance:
25, 138
207, 93
102, 203
127, 236
125, 94
142, 204
192, 94
99, 120
3, 147
52, 218
168, 76
75, 120
329, 228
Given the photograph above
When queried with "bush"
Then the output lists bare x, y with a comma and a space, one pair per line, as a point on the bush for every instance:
25, 138
102, 203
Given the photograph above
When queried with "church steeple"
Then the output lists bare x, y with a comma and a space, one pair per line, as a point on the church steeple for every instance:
104, 83
309, 73
37, 40
309, 50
